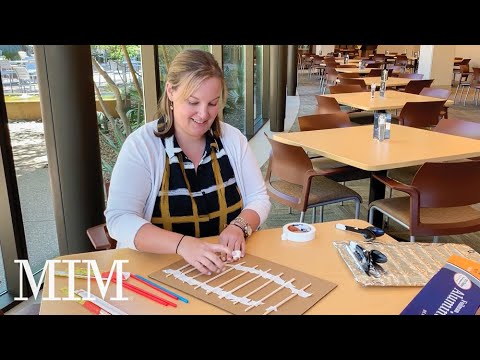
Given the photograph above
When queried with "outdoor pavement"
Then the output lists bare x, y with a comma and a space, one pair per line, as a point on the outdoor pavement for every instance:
28, 145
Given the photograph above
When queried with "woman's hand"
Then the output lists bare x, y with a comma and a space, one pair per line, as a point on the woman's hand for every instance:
232, 237
202, 255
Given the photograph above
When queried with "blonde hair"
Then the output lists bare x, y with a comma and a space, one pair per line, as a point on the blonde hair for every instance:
188, 70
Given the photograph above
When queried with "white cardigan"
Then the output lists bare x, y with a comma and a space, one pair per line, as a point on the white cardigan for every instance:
138, 172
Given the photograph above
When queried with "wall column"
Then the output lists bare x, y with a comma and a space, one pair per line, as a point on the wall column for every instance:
436, 62
292, 70
67, 99
278, 83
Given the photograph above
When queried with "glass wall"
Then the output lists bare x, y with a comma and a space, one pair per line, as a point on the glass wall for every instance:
234, 70
26, 132
258, 87
117, 75
166, 53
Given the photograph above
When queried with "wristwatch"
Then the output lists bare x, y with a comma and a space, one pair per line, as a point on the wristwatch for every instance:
242, 224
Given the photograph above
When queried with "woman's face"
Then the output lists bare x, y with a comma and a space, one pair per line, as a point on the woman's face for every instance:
194, 116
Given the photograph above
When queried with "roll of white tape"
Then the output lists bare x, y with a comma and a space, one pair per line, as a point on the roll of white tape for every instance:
299, 232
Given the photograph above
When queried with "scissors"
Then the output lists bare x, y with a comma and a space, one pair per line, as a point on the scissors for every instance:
370, 233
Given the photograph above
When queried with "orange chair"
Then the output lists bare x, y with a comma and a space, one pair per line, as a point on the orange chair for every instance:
420, 114
438, 93
456, 127
439, 200
331, 121
291, 180
98, 234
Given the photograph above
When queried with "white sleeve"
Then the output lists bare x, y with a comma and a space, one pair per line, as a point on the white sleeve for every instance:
130, 187
256, 197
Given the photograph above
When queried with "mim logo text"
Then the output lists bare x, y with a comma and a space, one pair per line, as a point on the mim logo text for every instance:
92, 267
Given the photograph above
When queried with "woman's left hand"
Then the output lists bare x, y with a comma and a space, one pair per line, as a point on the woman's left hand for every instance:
232, 237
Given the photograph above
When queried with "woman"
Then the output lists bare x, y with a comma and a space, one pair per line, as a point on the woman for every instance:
187, 175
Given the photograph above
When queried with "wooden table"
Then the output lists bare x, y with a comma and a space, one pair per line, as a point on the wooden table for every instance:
391, 101
407, 146
354, 70
317, 257
391, 82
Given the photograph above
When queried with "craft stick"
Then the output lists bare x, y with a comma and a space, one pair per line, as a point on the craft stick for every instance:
189, 271
181, 268
259, 288
217, 276
246, 283
272, 293
198, 275
291, 296
232, 279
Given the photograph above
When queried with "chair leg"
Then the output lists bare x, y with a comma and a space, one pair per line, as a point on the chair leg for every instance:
314, 215
370, 214
357, 209
289, 210
465, 99
302, 216
461, 94
412, 238
456, 91
321, 214
435, 239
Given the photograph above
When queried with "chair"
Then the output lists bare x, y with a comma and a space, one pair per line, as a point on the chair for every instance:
456, 127
414, 76
475, 82
416, 86
6, 69
23, 77
463, 69
347, 66
357, 116
327, 105
292, 181
98, 235
347, 81
402, 61
100, 238
459, 127
329, 79
375, 72
331, 121
420, 114
348, 75
476, 85
375, 65
346, 88
438, 93
335, 120
439, 200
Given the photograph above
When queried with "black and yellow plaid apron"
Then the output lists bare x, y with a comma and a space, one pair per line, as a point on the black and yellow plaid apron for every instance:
198, 203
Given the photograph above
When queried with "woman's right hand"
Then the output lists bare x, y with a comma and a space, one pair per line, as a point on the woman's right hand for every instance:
203, 255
